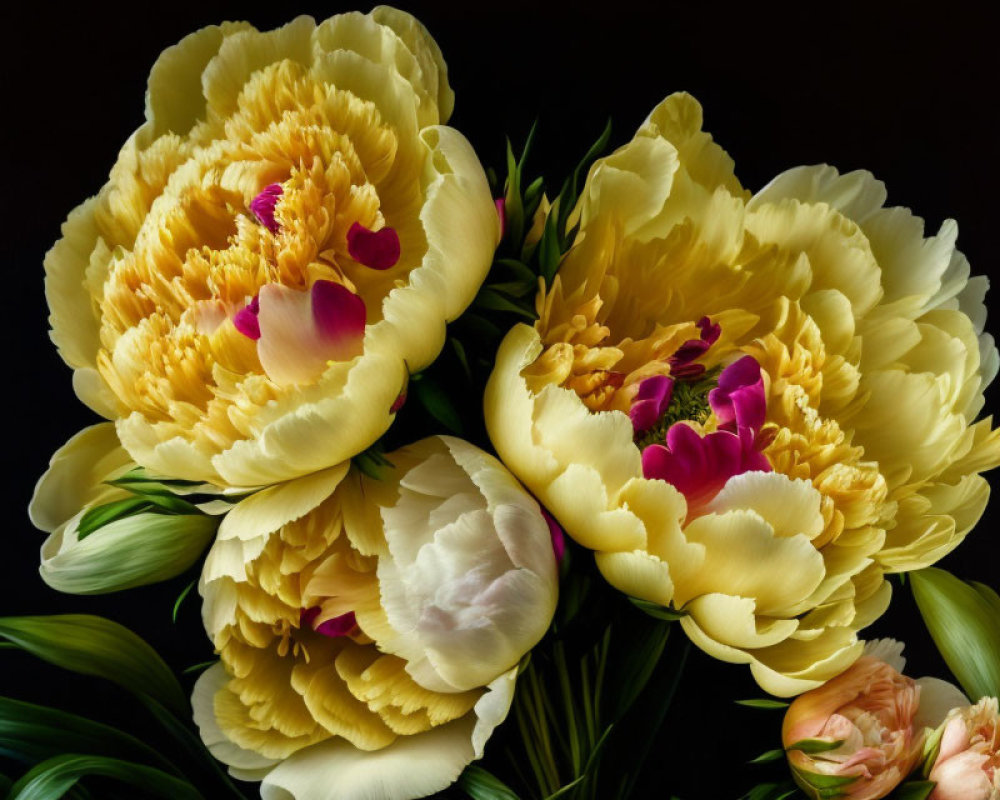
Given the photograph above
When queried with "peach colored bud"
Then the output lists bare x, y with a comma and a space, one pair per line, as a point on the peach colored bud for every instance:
855, 734
967, 766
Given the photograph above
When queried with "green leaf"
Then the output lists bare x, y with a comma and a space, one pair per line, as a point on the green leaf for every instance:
813, 746
569, 193
496, 301
437, 402
96, 646
762, 702
180, 599
550, 249
54, 777
992, 598
637, 662
768, 756
964, 624
822, 787
134, 551
463, 359
658, 611
771, 791
913, 790
482, 785
99, 516
518, 269
32, 733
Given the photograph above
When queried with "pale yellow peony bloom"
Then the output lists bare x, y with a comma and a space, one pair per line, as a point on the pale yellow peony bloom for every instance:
842, 444
281, 241
370, 631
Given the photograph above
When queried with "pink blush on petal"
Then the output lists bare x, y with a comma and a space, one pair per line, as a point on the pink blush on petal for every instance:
501, 205
339, 315
246, 319
375, 249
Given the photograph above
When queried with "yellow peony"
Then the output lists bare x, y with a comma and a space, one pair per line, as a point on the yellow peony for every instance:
370, 631
751, 407
281, 241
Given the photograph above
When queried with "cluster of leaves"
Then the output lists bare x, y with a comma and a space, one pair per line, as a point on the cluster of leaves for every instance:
59, 749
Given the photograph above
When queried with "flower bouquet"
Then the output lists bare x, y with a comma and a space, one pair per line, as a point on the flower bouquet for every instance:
463, 463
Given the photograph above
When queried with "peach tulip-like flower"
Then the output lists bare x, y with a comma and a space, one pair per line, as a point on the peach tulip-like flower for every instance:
276, 247
863, 732
967, 766
751, 407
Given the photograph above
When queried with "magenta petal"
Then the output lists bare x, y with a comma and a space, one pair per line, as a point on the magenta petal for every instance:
710, 331
307, 616
339, 315
375, 249
398, 403
738, 402
557, 535
343, 625
650, 402
246, 320
263, 205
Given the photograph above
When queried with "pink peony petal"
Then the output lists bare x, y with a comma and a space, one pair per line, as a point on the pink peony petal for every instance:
738, 401
339, 315
263, 205
375, 249
344, 625
680, 361
558, 537
246, 319
650, 402
301, 332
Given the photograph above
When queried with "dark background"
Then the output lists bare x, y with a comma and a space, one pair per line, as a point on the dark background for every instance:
907, 95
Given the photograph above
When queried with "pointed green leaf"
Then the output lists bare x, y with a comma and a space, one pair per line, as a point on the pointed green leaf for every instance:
635, 664
54, 777
32, 733
769, 755
180, 599
96, 646
763, 702
813, 746
99, 516
569, 192
992, 598
437, 402
495, 301
658, 611
965, 627
134, 551
482, 785
913, 790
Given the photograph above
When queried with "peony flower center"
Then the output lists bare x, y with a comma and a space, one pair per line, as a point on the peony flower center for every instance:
700, 465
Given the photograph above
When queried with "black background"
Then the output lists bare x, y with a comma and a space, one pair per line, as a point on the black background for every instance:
911, 96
